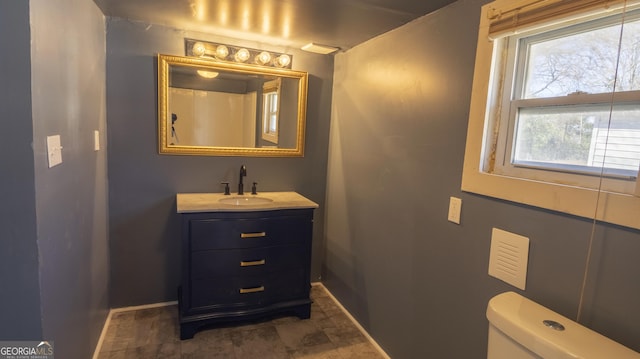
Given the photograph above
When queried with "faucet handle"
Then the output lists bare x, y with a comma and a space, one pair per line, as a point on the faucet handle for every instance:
254, 189
226, 188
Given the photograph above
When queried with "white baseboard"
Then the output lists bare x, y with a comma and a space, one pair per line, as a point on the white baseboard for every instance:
96, 352
355, 322
144, 306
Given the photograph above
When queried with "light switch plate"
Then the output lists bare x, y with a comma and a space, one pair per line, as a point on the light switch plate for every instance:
455, 206
54, 150
96, 140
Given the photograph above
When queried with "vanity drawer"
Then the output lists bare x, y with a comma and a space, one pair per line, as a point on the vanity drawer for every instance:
246, 233
241, 291
249, 261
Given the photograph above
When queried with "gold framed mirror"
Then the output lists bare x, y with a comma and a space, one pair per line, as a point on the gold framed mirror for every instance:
212, 108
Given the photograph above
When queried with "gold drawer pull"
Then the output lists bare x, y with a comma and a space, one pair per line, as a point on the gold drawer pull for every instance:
252, 263
252, 290
253, 235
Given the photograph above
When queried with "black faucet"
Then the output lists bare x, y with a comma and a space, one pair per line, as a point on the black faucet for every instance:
243, 173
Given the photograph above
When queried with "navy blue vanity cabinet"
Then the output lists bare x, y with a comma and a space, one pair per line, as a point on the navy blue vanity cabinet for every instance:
244, 265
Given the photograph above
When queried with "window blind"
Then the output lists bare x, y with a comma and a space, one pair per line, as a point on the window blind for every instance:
271, 86
508, 17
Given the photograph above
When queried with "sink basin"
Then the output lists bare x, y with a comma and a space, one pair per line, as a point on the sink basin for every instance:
245, 201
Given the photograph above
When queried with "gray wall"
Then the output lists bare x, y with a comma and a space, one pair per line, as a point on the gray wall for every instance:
20, 298
144, 228
53, 222
69, 99
415, 281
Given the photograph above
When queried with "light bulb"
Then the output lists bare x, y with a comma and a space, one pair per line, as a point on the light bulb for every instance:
263, 58
198, 49
283, 60
222, 52
242, 55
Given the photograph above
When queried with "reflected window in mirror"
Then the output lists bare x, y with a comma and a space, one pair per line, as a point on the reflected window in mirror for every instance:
271, 107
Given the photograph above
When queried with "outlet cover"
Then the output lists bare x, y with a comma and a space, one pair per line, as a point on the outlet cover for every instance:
509, 257
96, 140
455, 206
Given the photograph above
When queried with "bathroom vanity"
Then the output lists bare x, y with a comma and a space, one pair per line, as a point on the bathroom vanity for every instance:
243, 257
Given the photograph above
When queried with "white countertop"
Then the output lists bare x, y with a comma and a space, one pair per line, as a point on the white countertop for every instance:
210, 202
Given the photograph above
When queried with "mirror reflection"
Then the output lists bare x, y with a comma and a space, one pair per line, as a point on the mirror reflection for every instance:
228, 109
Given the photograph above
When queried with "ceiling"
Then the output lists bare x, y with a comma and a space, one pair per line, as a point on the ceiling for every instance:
338, 23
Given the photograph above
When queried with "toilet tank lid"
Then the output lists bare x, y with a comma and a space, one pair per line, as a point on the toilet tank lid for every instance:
522, 320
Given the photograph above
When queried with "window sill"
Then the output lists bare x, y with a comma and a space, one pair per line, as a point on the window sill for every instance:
620, 209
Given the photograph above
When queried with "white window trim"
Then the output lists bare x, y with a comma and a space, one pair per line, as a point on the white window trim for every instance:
609, 207
268, 88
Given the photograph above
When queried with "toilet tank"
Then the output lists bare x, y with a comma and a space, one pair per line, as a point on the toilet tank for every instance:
522, 329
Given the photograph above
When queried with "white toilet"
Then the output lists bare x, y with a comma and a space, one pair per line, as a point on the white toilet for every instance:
522, 329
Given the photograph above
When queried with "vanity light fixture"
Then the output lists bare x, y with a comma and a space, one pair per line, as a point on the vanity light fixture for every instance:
223, 52
283, 60
242, 55
199, 49
263, 58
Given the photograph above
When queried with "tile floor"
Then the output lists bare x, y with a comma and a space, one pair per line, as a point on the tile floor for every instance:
153, 333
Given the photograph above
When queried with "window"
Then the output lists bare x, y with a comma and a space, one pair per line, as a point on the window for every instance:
271, 107
555, 113
560, 116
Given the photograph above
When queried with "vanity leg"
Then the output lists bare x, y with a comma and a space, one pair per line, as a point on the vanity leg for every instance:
187, 331
303, 311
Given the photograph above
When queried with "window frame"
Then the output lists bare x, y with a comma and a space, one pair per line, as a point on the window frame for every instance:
516, 51
484, 118
270, 89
